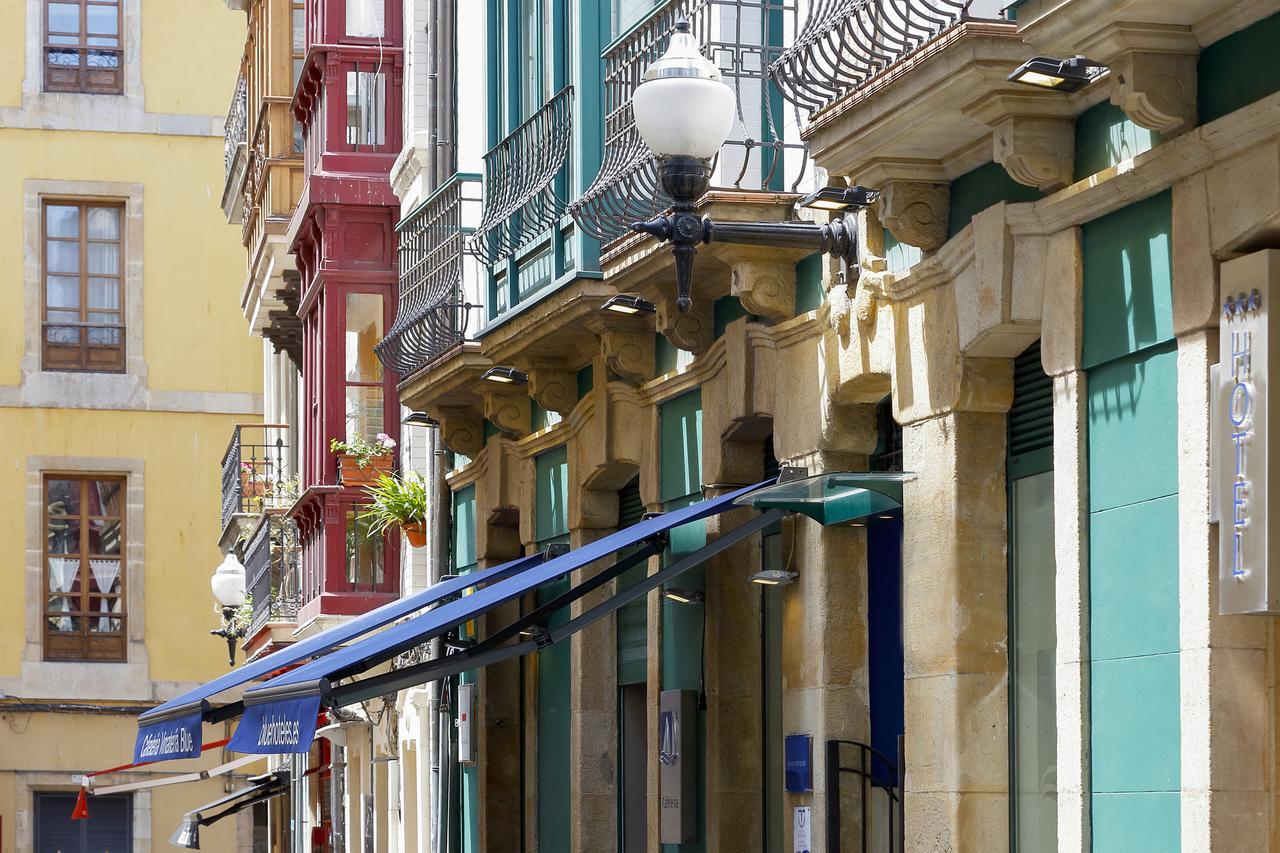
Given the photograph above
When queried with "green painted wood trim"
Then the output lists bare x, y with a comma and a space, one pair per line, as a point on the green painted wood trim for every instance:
1106, 136
1238, 70
551, 494
680, 448
464, 527
975, 191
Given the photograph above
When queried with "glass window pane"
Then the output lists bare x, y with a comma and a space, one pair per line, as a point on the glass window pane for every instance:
62, 220
366, 108
64, 317
1035, 708
364, 329
102, 58
109, 337
62, 291
364, 554
105, 498
63, 536
64, 17
299, 30
365, 18
104, 258
364, 411
104, 576
103, 41
103, 293
104, 538
64, 574
65, 624
62, 256
104, 20
104, 223
64, 497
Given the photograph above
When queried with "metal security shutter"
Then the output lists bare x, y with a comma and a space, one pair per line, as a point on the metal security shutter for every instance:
1030, 416
108, 829
633, 624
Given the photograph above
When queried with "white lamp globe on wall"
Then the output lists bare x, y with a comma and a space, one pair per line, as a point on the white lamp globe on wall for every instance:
228, 582
682, 106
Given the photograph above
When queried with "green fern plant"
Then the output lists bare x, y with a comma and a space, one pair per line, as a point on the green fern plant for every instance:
395, 501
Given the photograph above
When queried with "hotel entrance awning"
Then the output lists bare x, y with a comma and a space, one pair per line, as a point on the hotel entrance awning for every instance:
833, 498
279, 716
173, 730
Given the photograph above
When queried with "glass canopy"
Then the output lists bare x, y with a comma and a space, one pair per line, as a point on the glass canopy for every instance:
834, 498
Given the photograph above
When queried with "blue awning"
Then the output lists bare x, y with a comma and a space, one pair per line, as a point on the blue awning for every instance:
172, 730
280, 700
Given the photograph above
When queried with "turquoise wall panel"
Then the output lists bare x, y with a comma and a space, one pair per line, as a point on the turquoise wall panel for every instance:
464, 527
724, 311
1133, 436
1128, 823
551, 494
553, 673
1128, 280
1135, 731
810, 291
900, 257
680, 447
1235, 71
586, 380
1106, 136
975, 191
1133, 579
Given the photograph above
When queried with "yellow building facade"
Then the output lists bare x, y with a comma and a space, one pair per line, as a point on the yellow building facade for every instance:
124, 366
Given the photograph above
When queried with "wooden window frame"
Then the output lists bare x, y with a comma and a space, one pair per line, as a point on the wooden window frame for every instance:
84, 645
91, 357
100, 80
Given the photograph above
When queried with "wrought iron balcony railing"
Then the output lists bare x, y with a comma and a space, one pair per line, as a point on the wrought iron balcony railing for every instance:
272, 563
255, 470
521, 196
434, 310
846, 42
764, 150
235, 130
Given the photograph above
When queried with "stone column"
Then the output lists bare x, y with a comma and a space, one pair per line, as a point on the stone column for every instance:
955, 633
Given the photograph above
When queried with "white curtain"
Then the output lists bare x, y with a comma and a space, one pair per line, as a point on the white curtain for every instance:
105, 573
62, 577
365, 18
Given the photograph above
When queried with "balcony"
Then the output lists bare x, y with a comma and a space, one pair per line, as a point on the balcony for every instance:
235, 152
439, 285
764, 151
272, 561
256, 477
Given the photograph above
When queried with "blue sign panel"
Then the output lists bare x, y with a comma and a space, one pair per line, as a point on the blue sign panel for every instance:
275, 727
175, 738
798, 752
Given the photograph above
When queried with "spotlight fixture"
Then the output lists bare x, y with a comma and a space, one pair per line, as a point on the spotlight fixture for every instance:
420, 419
629, 304
774, 577
685, 596
1061, 75
505, 376
188, 834
840, 199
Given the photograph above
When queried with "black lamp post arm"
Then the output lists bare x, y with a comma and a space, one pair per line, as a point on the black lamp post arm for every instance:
839, 237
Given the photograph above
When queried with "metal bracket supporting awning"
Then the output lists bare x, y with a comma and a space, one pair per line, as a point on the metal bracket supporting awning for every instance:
834, 498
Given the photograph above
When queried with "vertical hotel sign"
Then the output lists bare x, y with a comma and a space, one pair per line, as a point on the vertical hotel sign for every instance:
1241, 413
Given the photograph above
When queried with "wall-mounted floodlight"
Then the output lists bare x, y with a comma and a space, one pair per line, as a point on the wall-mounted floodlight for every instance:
685, 596
420, 419
840, 199
1060, 75
505, 376
774, 577
629, 304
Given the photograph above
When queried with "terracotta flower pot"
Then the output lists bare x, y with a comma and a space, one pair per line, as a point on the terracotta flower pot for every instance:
352, 474
415, 533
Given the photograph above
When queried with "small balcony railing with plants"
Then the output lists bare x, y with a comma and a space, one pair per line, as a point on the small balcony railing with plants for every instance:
438, 282
764, 151
272, 559
844, 43
256, 472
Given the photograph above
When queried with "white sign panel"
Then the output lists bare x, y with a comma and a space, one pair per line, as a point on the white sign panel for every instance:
802, 829
466, 695
1241, 413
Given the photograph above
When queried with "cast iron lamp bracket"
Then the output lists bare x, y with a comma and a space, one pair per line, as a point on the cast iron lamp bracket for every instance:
229, 633
686, 180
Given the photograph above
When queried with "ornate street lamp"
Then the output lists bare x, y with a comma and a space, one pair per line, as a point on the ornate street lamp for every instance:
684, 113
228, 588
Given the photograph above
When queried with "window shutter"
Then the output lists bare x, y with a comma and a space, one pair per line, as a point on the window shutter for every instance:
633, 626
1030, 416
108, 830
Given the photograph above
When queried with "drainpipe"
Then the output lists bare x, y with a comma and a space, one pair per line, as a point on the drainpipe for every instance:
446, 66
338, 795
433, 91
437, 559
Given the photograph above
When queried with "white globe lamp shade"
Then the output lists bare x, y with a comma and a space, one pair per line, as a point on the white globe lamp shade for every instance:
682, 108
228, 582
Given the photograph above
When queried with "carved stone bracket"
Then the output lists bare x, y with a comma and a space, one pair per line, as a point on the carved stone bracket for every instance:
1037, 151
555, 389
915, 212
1156, 90
509, 411
767, 287
628, 354
461, 430
692, 331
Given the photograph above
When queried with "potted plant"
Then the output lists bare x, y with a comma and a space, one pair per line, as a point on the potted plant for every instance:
398, 501
360, 461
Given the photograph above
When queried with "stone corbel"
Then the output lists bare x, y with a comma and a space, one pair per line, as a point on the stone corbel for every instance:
1037, 151
1156, 90
915, 212
766, 286
626, 344
461, 431
509, 411
554, 389
691, 332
